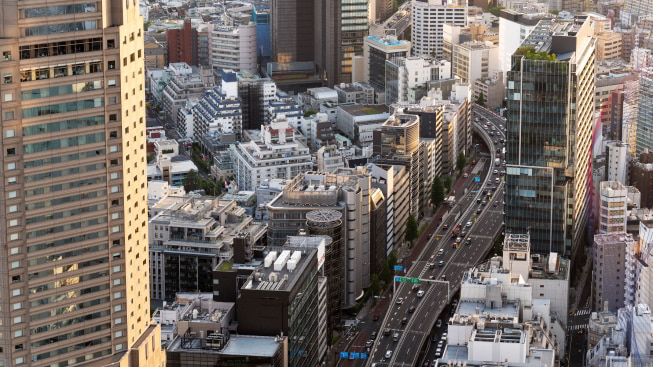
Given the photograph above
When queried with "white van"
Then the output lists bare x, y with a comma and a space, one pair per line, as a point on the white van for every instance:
497, 180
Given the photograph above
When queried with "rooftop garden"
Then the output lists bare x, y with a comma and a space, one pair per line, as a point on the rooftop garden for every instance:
225, 266
530, 53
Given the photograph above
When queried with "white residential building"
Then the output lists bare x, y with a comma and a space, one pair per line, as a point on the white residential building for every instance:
218, 114
641, 335
617, 162
407, 76
329, 159
428, 17
185, 121
168, 166
474, 60
233, 47
613, 204
514, 27
278, 154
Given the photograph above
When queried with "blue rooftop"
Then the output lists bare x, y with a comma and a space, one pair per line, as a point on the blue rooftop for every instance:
387, 41
229, 77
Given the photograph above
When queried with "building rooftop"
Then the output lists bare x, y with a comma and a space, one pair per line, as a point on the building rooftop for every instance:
387, 41
236, 345
281, 268
612, 238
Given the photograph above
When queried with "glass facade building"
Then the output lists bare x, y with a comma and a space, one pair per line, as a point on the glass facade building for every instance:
549, 126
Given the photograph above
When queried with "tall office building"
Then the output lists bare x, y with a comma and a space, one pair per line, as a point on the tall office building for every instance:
549, 132
74, 245
291, 27
429, 17
340, 26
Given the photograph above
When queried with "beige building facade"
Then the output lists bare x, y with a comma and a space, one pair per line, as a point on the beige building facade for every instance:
74, 249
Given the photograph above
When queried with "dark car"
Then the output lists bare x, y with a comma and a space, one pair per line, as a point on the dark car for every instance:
411, 309
376, 317
404, 321
386, 332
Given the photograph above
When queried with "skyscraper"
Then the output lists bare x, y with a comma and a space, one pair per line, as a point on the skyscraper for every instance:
292, 30
74, 245
549, 131
340, 26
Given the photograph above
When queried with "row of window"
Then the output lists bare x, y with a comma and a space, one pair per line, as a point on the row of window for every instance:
67, 241
62, 107
72, 294
63, 158
69, 308
61, 71
64, 186
68, 322
66, 227
67, 268
65, 200
61, 90
42, 30
74, 334
47, 11
61, 48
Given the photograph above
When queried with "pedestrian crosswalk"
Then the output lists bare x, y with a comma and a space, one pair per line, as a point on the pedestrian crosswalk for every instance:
577, 327
582, 312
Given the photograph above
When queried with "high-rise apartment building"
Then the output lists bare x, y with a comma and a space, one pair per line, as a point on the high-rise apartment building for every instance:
74, 250
232, 47
644, 129
549, 128
614, 200
183, 44
340, 26
375, 52
429, 17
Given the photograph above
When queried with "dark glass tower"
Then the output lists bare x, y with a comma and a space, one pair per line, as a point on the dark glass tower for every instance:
549, 130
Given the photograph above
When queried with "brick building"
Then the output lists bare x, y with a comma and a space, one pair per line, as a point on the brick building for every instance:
183, 44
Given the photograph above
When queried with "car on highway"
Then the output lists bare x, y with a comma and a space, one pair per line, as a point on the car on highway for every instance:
404, 321
369, 343
446, 226
395, 336
420, 294
415, 288
495, 172
443, 277
441, 263
386, 332
459, 239
438, 323
465, 175
400, 300
463, 234
441, 252
440, 344
468, 224
388, 354
374, 334
444, 337
411, 309
478, 211
438, 352
491, 133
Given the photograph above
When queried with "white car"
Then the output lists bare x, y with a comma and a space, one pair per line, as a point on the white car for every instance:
400, 300
388, 354
469, 224
495, 172
420, 293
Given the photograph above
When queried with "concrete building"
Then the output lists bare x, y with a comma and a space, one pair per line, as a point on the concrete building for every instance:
155, 54
359, 92
406, 79
74, 244
614, 200
182, 44
285, 105
375, 53
641, 335
184, 86
474, 60
552, 187
609, 102
644, 126
233, 47
641, 176
345, 192
277, 147
292, 31
601, 324
270, 301
610, 349
491, 88
428, 18
329, 159
318, 130
608, 45
189, 236
358, 122
218, 113
453, 34
313, 98
608, 278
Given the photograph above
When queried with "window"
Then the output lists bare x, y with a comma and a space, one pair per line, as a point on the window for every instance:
11, 151
118, 334
111, 43
111, 65
13, 208
16, 292
8, 97
139, 54
11, 166
41, 30
10, 133
113, 117
112, 101
6, 55
9, 115
8, 78
15, 264
19, 360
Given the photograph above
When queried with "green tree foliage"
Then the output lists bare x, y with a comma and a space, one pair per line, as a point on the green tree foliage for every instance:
461, 162
437, 192
193, 182
386, 274
412, 229
481, 100
496, 10
447, 183
529, 53
309, 113
196, 156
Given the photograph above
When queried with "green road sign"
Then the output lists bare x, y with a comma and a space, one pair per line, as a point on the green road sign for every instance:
407, 280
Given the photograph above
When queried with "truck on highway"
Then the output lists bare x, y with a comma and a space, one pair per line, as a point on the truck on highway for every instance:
455, 230
497, 161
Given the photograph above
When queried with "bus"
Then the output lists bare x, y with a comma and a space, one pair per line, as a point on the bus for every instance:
456, 229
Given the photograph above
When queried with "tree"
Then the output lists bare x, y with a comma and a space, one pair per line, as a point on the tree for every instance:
437, 192
192, 181
392, 259
386, 274
309, 113
447, 183
461, 162
375, 287
496, 10
411, 229
481, 100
